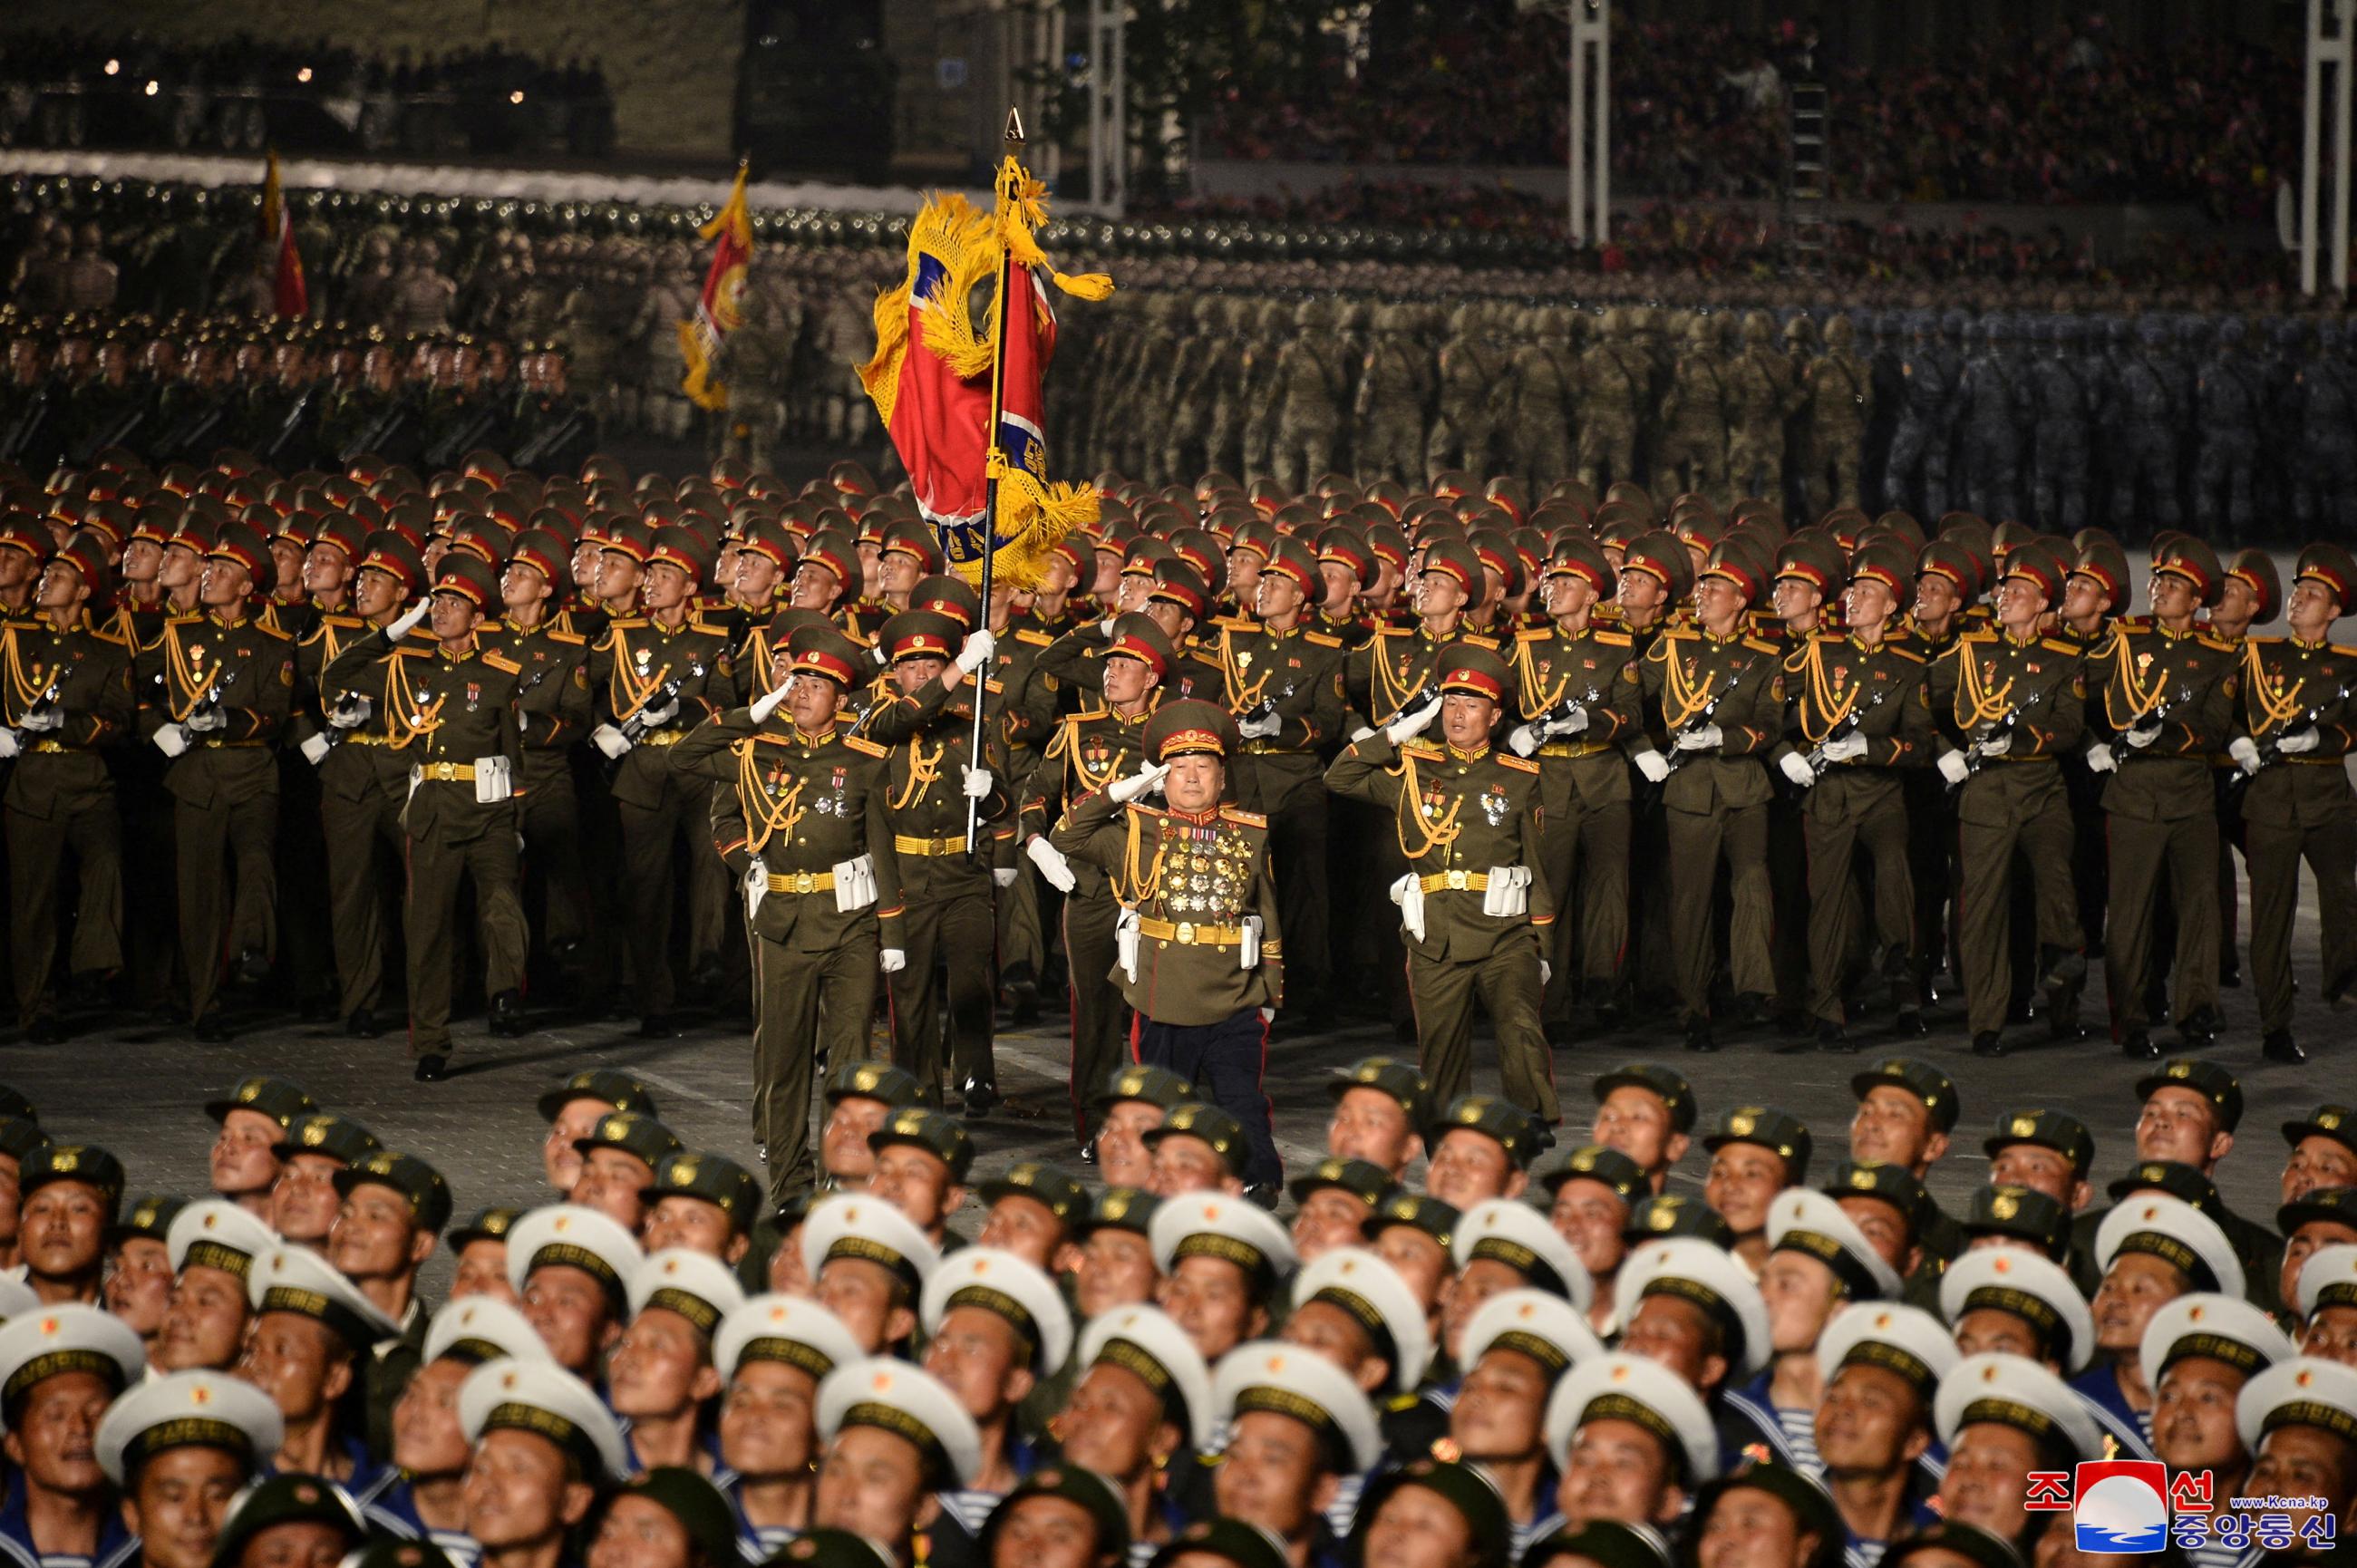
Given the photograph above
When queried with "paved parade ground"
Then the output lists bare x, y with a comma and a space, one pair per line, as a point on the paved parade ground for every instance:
137, 1091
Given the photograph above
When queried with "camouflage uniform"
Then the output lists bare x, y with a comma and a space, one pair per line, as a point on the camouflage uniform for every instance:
1693, 418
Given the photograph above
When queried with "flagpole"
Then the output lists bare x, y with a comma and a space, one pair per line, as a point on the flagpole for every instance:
997, 455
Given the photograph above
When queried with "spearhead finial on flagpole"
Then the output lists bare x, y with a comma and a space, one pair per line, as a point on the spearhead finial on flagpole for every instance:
1014, 131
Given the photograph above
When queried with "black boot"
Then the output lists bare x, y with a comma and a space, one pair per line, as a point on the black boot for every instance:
2138, 1047
2279, 1046
1988, 1042
433, 1068
507, 1011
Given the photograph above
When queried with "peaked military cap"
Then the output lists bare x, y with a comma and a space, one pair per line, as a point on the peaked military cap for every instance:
273, 1097
2177, 1179
872, 1080
612, 1086
689, 1284
1920, 1079
1213, 1224
2206, 1079
2338, 1123
942, 1136
566, 1235
2178, 1234
483, 1225
1208, 1125
2023, 1213
911, 1403
297, 1279
1672, 1090
2056, 1129
480, 1328
86, 1162
547, 1401
2024, 1285
855, 1225
1813, 1224
713, 1178
1608, 1167
2219, 1327
1150, 1085
1399, 1079
189, 1410
287, 1499
1776, 1130
421, 1184
147, 1218
1617, 1385
1505, 1123
1003, 1284
1118, 1208
1361, 1179
2012, 1390
328, 1136
1665, 1214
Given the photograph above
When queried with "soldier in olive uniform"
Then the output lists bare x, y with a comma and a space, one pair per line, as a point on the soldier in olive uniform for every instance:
2295, 729
1284, 683
2167, 698
1721, 693
801, 818
1577, 687
2008, 704
553, 713
928, 725
648, 673
1473, 904
1198, 950
1858, 705
214, 691
453, 708
67, 696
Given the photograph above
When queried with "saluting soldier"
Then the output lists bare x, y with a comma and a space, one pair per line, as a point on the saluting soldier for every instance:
1283, 682
214, 690
452, 706
1090, 749
1859, 706
2167, 699
928, 725
2008, 702
1473, 906
1577, 688
808, 832
1198, 949
650, 673
1721, 695
2296, 722
68, 698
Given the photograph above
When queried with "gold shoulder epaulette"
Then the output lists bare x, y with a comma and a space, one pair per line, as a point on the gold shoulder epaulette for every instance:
557, 634
2056, 645
1237, 814
180, 621
1322, 638
1909, 654
116, 629
1423, 748
1535, 634
1073, 721
342, 620
861, 743
1482, 640
1614, 638
1521, 764
502, 661
1760, 645
1035, 638
2211, 640
1982, 635
1236, 623
270, 627
620, 622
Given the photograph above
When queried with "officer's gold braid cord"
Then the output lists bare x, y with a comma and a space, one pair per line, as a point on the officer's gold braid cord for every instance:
922, 771
2278, 712
1240, 695
402, 704
1836, 705
28, 690
186, 677
1975, 703
2142, 700
635, 691
1133, 887
1536, 700
1680, 693
1390, 694
765, 817
1437, 832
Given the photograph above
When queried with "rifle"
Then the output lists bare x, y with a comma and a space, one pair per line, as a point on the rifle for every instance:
292, 423
1678, 755
1976, 753
1816, 759
2271, 749
553, 439
113, 435
635, 728
454, 445
193, 431
379, 430
26, 425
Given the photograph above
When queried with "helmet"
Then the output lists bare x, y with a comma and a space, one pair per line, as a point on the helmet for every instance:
1839, 332
1615, 323
1757, 328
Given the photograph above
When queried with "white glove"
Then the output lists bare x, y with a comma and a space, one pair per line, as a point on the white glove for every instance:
351, 712
1003, 876
1260, 728
9, 746
409, 618
1052, 865
171, 740
1846, 749
1954, 767
1546, 973
763, 706
1571, 723
1997, 745
610, 741
1359, 734
1122, 792
43, 719
314, 750
1706, 738
892, 961
205, 720
1102, 626
1267, 1017
2245, 753
976, 652
2100, 758
2299, 740
1653, 765
977, 782
1796, 767
2142, 735
1522, 740
1414, 723
655, 718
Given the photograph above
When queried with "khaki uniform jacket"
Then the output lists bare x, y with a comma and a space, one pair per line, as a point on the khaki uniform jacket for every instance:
1300, 671
363, 761
1458, 815
60, 773
1089, 750
2284, 680
799, 806
1394, 664
447, 716
1192, 877
629, 669
251, 665
929, 735
1596, 669
553, 711
1736, 682
2187, 683
1981, 678
1836, 679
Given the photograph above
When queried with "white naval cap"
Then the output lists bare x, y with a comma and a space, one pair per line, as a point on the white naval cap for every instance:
1271, 1376
1149, 1343
794, 1330
69, 1337
2306, 1391
569, 1235
853, 1225
297, 1279
694, 1285
16, 1296
1365, 1285
1697, 1271
479, 1329
1906, 1340
2034, 1289
1802, 1219
1213, 1224
2329, 1278
214, 1233
1546, 1328
1003, 1284
548, 1401
1620, 1387
2223, 1327
189, 1410
1519, 1236
2014, 1391
2176, 1233
909, 1402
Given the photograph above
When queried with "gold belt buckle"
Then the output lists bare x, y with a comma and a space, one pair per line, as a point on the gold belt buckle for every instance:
801, 881
1186, 932
1457, 879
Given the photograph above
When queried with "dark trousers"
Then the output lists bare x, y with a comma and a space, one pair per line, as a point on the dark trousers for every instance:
358, 833
952, 925
437, 868
1089, 954
228, 888
1225, 1061
38, 847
